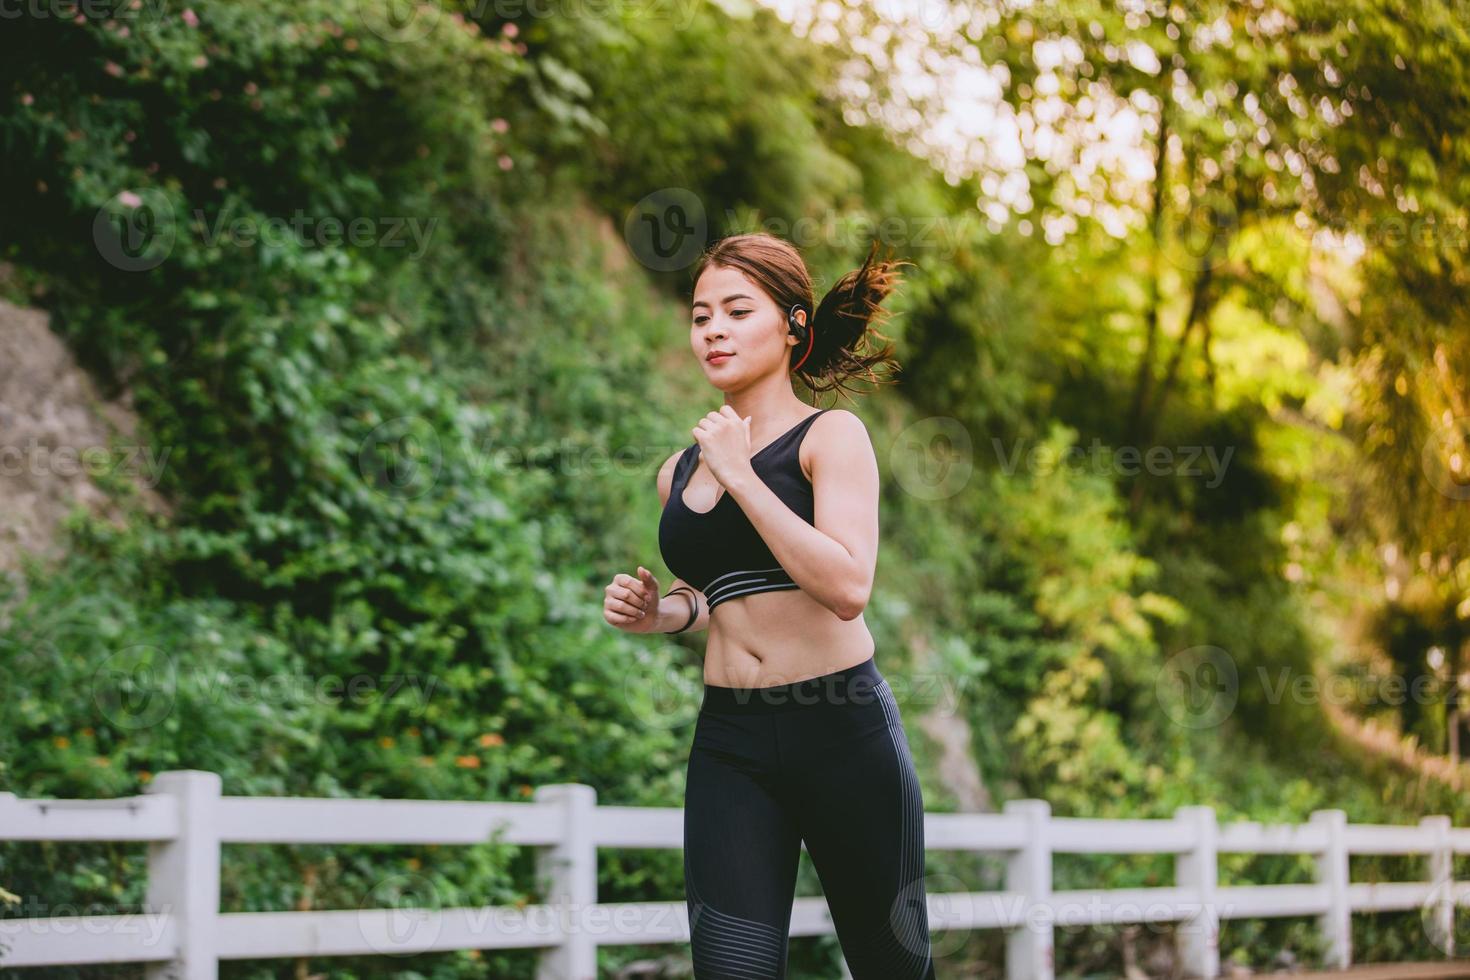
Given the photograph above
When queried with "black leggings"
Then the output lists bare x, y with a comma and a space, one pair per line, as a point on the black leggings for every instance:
823, 761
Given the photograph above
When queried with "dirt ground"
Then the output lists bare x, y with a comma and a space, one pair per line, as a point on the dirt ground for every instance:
56, 436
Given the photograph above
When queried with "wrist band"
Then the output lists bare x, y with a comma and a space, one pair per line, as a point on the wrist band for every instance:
693, 607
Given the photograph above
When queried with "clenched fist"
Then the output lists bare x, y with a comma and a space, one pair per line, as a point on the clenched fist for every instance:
631, 603
724, 444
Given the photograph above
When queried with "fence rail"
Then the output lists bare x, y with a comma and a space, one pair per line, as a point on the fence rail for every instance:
182, 935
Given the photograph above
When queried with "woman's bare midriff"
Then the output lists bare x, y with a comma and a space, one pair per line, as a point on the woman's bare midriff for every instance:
779, 637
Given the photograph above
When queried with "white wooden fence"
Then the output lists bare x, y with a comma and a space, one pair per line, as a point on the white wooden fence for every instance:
183, 935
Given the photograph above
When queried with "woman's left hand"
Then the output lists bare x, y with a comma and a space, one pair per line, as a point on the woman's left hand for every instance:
724, 442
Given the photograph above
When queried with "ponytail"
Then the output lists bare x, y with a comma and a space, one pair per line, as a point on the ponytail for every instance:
844, 324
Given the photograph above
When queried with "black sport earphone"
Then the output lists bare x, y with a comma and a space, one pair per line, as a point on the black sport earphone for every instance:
801, 332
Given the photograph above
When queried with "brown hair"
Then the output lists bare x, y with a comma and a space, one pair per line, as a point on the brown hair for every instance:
841, 326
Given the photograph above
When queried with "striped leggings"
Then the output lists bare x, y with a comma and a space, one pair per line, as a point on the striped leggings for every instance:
825, 762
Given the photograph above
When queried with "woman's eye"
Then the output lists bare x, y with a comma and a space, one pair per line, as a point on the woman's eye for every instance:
740, 313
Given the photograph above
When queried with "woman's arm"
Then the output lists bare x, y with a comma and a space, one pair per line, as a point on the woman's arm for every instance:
673, 609
834, 560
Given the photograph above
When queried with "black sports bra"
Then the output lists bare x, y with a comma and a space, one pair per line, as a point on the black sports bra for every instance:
719, 551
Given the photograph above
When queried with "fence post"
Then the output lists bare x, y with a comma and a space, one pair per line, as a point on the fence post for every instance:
1332, 870
1198, 936
183, 875
569, 873
1028, 877
1438, 914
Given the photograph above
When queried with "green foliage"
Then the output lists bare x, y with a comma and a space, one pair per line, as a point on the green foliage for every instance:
358, 593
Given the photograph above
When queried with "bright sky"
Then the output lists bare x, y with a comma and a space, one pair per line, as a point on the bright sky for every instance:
1103, 142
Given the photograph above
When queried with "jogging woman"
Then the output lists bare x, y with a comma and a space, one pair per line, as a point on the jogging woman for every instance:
770, 523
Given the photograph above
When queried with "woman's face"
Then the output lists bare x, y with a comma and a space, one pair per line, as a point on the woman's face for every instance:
734, 315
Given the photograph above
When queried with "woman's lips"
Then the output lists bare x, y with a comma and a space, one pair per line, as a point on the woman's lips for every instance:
719, 358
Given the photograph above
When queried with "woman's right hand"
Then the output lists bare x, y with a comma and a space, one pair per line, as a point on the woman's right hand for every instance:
632, 603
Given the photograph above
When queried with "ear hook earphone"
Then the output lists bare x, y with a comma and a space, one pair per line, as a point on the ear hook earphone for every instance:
801, 332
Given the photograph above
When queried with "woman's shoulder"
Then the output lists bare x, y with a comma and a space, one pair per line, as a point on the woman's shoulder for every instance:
840, 423
834, 433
